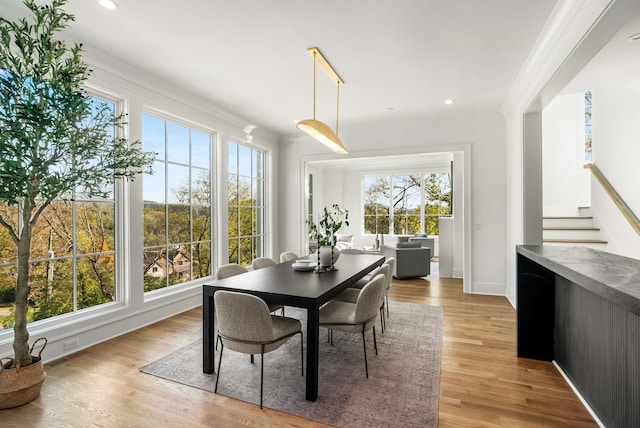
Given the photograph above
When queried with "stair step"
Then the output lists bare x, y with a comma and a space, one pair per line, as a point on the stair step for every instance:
570, 222
571, 228
575, 241
571, 217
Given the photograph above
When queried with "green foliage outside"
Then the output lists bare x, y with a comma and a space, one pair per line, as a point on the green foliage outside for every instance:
245, 220
393, 209
56, 143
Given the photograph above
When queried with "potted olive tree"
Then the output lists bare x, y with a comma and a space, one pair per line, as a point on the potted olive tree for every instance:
54, 138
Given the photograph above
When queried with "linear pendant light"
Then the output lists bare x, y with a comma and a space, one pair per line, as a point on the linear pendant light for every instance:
314, 128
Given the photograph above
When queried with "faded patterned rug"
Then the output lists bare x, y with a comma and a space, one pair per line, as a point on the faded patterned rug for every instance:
401, 391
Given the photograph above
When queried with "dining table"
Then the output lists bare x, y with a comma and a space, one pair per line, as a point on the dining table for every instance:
283, 285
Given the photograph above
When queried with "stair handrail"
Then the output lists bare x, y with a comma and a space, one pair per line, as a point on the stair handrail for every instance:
615, 197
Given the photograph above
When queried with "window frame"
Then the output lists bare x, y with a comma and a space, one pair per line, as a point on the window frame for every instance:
213, 153
390, 176
121, 254
266, 228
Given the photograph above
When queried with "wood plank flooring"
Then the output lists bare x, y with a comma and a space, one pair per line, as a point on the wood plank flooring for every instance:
482, 383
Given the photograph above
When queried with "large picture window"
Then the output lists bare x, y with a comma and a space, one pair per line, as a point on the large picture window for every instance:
177, 204
405, 204
246, 221
73, 253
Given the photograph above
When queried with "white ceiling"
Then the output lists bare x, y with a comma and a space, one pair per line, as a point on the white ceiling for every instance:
617, 64
397, 57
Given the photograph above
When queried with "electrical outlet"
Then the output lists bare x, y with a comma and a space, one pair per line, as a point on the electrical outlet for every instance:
71, 344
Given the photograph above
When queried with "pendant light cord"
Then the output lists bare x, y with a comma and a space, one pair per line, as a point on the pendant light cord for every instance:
314, 85
337, 107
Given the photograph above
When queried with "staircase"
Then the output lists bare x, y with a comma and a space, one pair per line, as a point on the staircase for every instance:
572, 230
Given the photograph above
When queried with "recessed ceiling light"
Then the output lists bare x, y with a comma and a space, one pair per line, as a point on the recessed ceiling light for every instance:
449, 101
108, 4
634, 37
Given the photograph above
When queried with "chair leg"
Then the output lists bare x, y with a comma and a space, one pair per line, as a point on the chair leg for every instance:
375, 342
364, 344
386, 303
283, 311
219, 365
252, 361
261, 374
382, 318
217, 341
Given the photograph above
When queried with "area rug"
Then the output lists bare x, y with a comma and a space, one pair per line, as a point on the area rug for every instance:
401, 391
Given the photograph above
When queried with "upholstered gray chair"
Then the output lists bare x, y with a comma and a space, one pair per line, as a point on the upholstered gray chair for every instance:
260, 263
412, 260
287, 256
231, 269
245, 325
391, 261
356, 317
351, 294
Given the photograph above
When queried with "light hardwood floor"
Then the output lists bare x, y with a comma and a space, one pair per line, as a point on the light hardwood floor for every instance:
482, 383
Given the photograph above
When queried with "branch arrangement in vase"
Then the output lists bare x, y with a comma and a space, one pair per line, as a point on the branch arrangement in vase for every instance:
329, 223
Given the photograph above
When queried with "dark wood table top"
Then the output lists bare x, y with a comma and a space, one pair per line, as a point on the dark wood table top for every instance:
282, 284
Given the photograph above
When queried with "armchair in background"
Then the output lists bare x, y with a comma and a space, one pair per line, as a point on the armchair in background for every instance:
344, 241
412, 260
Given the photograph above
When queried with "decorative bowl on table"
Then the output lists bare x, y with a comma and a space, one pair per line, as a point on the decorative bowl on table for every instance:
304, 265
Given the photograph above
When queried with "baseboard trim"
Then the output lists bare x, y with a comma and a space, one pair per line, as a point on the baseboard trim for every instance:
575, 390
489, 288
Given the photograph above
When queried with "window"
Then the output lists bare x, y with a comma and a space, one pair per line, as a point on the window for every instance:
587, 126
246, 222
310, 196
73, 253
405, 204
406, 194
177, 204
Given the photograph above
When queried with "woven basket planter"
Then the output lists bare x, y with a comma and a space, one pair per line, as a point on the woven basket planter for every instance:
20, 385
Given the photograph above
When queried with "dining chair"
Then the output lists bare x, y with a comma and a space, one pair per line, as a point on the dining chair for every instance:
246, 326
356, 317
287, 256
391, 261
230, 269
351, 295
263, 262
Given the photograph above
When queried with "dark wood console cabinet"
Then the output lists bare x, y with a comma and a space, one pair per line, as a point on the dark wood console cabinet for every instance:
581, 308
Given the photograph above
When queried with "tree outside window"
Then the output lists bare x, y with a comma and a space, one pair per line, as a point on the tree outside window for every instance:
405, 204
587, 126
245, 188
377, 200
177, 204
73, 252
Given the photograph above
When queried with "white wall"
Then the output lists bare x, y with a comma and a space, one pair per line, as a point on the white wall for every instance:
484, 132
566, 185
557, 57
616, 152
457, 253
137, 309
